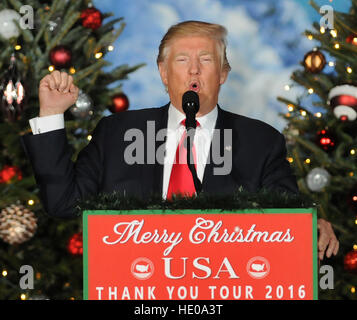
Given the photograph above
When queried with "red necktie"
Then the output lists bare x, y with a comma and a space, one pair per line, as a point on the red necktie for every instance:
181, 181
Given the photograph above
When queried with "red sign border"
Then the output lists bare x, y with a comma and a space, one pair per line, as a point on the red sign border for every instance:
311, 211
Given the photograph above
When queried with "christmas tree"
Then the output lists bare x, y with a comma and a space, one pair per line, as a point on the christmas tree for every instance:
322, 136
36, 38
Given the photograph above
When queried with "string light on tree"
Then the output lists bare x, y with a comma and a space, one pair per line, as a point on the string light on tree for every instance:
9, 174
352, 39
318, 114
333, 33
326, 140
352, 199
75, 244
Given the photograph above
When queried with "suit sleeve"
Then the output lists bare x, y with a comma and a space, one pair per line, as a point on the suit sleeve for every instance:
61, 181
277, 173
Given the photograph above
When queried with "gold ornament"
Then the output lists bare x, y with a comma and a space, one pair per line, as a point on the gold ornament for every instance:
314, 61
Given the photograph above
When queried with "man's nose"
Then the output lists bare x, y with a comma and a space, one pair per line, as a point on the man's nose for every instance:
194, 67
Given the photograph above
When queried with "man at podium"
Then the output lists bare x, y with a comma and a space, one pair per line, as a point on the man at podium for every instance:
192, 58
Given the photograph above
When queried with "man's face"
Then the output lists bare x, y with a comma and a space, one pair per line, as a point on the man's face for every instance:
193, 63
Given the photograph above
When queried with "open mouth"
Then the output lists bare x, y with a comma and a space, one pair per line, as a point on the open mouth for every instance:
194, 86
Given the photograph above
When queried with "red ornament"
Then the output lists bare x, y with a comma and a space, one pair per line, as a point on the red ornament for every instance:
61, 57
91, 18
350, 261
10, 172
75, 244
325, 140
343, 101
120, 102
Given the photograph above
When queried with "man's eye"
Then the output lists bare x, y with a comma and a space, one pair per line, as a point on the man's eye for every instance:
181, 59
206, 59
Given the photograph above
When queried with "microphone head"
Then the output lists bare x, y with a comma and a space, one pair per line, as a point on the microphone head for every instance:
190, 102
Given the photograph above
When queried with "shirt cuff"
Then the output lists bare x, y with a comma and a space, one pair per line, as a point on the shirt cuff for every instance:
47, 123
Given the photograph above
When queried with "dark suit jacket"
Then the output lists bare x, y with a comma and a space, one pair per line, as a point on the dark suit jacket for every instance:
258, 160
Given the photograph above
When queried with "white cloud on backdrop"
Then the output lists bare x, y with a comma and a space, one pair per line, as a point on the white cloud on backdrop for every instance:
259, 71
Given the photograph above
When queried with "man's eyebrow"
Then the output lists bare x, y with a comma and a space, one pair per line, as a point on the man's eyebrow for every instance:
204, 53
182, 54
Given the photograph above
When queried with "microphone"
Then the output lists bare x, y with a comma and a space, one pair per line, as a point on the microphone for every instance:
191, 105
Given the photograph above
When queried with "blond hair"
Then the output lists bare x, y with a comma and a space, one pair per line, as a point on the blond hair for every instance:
196, 28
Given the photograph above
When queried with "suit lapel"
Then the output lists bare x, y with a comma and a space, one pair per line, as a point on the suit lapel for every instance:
213, 183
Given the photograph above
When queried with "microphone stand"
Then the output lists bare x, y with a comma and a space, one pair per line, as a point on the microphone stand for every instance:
191, 166
191, 105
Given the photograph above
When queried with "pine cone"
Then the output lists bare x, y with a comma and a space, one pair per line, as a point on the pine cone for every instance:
17, 224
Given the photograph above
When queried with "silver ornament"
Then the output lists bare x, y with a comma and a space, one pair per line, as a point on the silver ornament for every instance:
317, 179
83, 106
8, 28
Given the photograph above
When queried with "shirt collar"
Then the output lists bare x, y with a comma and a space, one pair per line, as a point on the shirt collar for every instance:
206, 121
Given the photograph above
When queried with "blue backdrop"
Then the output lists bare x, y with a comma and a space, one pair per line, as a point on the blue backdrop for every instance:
265, 44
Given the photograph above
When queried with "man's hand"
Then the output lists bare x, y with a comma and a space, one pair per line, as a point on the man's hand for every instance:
327, 239
56, 93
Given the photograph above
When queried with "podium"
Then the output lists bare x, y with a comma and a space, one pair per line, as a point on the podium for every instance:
200, 254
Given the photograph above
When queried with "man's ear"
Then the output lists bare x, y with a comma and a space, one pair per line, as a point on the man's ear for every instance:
223, 78
163, 73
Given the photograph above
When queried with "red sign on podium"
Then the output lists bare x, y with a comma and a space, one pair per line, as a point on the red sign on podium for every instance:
200, 255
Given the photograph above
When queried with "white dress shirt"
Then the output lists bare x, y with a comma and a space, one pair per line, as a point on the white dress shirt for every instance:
202, 139
48, 123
